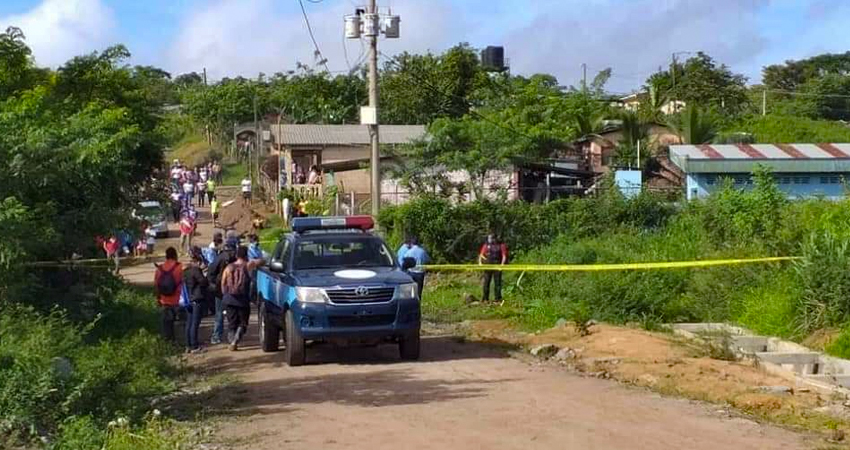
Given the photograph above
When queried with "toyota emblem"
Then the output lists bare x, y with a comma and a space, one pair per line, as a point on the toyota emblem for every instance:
361, 291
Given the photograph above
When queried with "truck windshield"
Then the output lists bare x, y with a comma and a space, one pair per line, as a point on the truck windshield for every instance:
345, 251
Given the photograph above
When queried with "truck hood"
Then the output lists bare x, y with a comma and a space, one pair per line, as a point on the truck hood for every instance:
351, 277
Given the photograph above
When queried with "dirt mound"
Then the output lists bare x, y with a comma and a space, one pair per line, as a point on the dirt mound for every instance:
671, 365
233, 215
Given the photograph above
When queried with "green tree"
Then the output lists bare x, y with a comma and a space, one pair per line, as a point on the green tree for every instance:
416, 89
311, 97
75, 148
792, 75
701, 81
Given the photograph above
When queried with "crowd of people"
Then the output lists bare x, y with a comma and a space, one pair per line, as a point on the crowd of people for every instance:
191, 187
218, 280
313, 176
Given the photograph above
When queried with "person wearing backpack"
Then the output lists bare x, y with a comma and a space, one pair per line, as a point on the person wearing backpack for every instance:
168, 283
214, 274
196, 287
236, 296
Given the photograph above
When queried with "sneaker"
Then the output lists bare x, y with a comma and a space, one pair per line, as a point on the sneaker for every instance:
233, 346
215, 341
197, 350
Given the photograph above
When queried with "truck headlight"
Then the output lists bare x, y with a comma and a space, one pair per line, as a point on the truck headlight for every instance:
311, 295
406, 291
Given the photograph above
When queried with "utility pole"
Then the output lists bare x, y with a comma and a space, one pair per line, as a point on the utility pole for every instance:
764, 102
673, 74
209, 133
257, 140
583, 76
375, 159
370, 24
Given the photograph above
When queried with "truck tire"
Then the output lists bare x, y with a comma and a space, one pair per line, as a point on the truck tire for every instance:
269, 332
296, 354
408, 347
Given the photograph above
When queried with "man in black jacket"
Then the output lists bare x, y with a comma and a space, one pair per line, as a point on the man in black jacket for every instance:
216, 269
196, 285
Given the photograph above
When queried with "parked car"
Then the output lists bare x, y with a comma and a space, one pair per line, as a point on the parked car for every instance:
152, 212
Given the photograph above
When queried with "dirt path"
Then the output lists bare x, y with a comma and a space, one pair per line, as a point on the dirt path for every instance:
142, 274
460, 396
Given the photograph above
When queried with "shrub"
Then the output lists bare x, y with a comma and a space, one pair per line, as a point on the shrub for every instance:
52, 368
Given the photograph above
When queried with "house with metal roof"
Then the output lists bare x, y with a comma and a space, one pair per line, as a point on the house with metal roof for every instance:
801, 170
341, 152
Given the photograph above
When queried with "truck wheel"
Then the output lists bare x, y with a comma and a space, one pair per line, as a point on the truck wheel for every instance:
295, 353
269, 332
408, 347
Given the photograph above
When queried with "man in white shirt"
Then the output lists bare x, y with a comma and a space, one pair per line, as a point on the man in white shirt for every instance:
246, 191
189, 190
176, 171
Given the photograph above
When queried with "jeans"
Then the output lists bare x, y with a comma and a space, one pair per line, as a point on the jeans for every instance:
218, 329
186, 243
116, 261
496, 275
193, 323
169, 316
237, 321
201, 197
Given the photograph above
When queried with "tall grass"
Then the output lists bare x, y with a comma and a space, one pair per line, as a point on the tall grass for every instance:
785, 299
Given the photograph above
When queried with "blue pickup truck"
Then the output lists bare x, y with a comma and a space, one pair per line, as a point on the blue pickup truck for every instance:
332, 281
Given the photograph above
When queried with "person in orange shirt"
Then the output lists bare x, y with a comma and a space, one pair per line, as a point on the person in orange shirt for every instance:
168, 284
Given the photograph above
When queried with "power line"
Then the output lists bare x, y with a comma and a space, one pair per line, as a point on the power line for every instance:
323, 60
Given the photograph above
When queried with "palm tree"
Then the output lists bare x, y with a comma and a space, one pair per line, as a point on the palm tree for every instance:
693, 126
634, 130
634, 127
656, 99
590, 123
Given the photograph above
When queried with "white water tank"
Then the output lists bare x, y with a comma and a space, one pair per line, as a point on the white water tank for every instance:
352, 26
392, 28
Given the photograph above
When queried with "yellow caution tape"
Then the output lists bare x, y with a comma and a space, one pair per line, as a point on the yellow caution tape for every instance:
600, 267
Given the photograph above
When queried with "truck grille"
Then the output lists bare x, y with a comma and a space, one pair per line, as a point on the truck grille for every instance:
372, 295
362, 320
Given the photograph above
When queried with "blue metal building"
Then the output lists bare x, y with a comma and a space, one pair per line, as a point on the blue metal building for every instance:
801, 170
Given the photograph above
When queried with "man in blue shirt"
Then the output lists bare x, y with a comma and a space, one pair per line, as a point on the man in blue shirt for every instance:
421, 256
402, 251
254, 250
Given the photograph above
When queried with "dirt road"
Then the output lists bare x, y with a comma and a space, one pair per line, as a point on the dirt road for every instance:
460, 396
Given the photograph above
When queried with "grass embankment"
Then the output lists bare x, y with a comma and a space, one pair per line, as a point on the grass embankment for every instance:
232, 173
192, 149
791, 299
82, 374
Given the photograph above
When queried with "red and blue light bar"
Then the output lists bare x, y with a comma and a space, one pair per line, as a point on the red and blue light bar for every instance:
302, 224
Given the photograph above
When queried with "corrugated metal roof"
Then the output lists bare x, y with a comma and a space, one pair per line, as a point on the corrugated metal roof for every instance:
730, 158
762, 151
345, 134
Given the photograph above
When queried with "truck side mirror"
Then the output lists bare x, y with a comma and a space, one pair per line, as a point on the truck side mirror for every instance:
277, 266
408, 263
